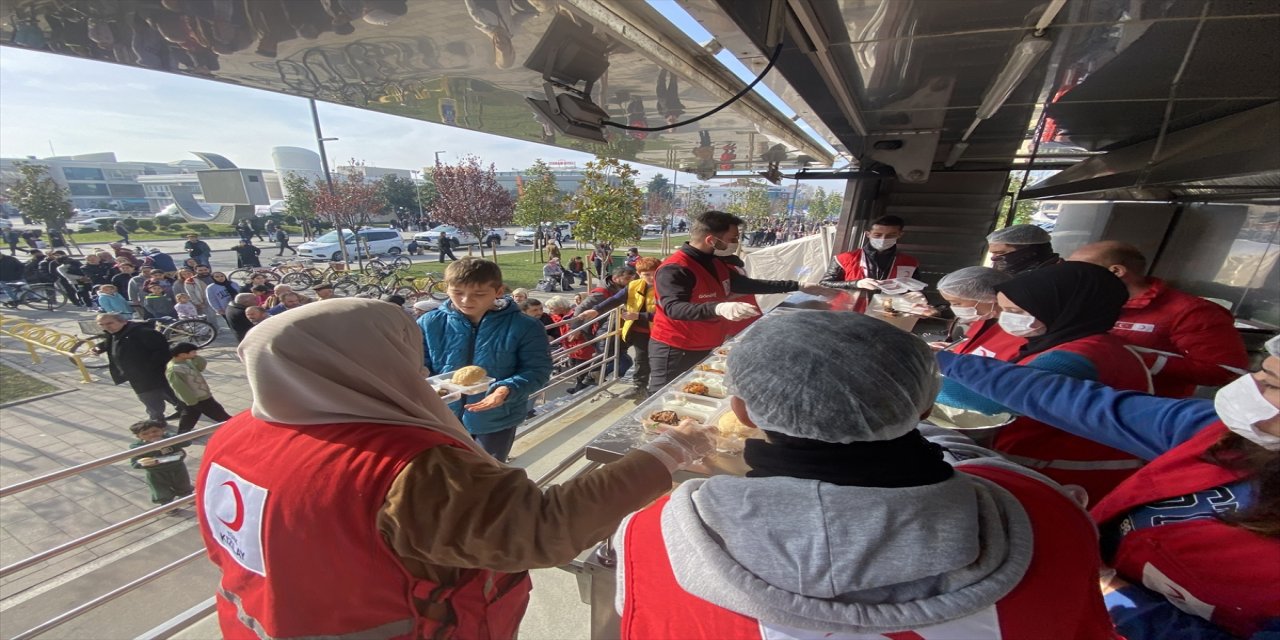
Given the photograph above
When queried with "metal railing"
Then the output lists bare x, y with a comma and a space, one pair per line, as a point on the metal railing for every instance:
600, 362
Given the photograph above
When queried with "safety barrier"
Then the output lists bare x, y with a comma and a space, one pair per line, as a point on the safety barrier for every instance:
33, 335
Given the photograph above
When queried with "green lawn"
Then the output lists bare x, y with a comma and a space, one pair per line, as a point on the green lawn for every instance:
15, 385
520, 269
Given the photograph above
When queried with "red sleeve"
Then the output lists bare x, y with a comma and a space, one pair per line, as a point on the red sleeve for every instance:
1205, 334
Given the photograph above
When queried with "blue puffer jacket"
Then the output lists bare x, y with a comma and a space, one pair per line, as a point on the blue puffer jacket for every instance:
512, 348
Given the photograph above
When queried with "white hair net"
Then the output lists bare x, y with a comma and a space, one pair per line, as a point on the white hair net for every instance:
973, 283
833, 377
1020, 234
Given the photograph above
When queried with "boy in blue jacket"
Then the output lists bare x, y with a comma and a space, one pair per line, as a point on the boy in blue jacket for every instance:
480, 326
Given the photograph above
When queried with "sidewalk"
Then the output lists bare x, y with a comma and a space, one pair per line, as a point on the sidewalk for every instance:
88, 422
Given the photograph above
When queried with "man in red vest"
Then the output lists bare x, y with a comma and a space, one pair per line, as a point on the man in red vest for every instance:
862, 269
856, 521
694, 288
1197, 338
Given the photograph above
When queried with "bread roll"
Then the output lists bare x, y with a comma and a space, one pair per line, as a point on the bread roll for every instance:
730, 426
468, 375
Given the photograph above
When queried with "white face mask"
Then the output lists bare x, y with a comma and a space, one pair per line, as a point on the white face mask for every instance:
1241, 406
966, 314
880, 244
1020, 324
730, 248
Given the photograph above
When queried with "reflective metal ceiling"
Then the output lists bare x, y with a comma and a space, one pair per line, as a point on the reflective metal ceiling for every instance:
456, 62
1119, 72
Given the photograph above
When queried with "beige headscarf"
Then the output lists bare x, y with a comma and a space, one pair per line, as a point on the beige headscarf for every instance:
347, 360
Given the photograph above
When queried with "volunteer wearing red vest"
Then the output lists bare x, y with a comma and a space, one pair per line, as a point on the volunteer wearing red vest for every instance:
971, 292
350, 502
1063, 312
861, 270
734, 327
1197, 337
852, 523
1195, 535
694, 291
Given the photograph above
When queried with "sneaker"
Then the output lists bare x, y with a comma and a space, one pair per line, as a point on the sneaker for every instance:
639, 394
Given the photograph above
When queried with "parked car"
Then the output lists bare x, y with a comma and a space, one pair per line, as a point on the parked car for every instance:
653, 229
91, 224
527, 234
85, 214
373, 242
458, 237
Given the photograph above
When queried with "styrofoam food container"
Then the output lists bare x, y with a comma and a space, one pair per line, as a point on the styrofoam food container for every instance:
445, 380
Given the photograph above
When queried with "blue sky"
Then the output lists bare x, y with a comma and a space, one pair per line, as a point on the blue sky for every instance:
81, 106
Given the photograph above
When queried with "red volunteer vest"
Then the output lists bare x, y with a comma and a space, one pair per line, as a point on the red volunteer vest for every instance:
1204, 567
985, 338
904, 266
1067, 458
289, 515
1166, 319
693, 335
1057, 598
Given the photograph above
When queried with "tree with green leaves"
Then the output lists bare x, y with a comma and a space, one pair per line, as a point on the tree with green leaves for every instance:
608, 206
300, 201
1026, 208
823, 205
697, 199
401, 195
752, 205
540, 204
38, 197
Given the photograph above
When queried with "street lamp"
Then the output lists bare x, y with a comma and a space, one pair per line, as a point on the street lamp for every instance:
438, 156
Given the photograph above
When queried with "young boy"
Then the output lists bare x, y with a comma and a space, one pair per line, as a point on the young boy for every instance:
184, 375
167, 477
110, 301
184, 308
158, 304
477, 325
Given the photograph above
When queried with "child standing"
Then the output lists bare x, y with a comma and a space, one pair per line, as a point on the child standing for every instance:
158, 304
185, 376
166, 476
478, 325
184, 307
110, 301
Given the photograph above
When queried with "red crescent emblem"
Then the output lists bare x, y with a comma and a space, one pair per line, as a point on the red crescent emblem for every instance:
904, 635
238, 522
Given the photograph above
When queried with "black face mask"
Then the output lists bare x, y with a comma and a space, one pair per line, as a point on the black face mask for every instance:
1022, 259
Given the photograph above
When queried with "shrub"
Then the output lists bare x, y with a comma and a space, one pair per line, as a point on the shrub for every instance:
291, 221
131, 224
165, 221
147, 225
105, 226
173, 226
198, 227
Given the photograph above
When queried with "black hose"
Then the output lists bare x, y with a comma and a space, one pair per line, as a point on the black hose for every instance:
777, 51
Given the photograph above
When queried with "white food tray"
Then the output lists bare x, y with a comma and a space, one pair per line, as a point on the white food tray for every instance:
445, 381
700, 408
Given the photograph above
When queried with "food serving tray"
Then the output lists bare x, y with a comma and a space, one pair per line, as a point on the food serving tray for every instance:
702, 409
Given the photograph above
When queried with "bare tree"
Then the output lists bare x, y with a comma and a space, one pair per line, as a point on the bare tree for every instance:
468, 196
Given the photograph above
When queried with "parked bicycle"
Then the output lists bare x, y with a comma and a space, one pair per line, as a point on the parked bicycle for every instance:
40, 296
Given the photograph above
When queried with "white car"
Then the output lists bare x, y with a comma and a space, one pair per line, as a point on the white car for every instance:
91, 224
373, 242
458, 237
653, 228
85, 214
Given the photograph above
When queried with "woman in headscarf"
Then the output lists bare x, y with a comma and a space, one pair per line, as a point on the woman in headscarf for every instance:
1194, 536
349, 501
1064, 313
220, 293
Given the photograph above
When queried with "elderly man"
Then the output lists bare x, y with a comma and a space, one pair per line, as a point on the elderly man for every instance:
856, 520
138, 354
288, 300
1197, 338
1021, 247
256, 314
324, 291
237, 314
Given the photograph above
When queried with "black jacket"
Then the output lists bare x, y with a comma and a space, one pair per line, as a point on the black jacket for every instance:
239, 323
34, 271
676, 286
138, 355
10, 269
98, 273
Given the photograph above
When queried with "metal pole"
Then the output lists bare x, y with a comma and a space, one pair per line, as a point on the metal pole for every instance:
328, 177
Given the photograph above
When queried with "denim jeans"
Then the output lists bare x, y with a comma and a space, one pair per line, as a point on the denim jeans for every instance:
497, 444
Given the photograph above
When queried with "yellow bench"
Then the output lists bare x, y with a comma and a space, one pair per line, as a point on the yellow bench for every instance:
33, 335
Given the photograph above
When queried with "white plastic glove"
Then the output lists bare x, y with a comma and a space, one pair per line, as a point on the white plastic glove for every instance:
682, 446
736, 310
869, 284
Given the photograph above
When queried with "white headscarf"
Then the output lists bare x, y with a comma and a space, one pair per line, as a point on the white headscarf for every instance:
347, 360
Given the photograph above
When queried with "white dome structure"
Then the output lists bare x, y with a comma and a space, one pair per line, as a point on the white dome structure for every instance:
296, 160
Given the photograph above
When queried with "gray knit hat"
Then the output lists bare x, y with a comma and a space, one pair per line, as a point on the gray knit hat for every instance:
833, 376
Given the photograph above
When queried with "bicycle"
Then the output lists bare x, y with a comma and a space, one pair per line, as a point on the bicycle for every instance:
39, 296
197, 331
377, 265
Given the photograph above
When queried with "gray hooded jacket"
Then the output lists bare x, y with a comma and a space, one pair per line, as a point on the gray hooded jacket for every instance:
804, 554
